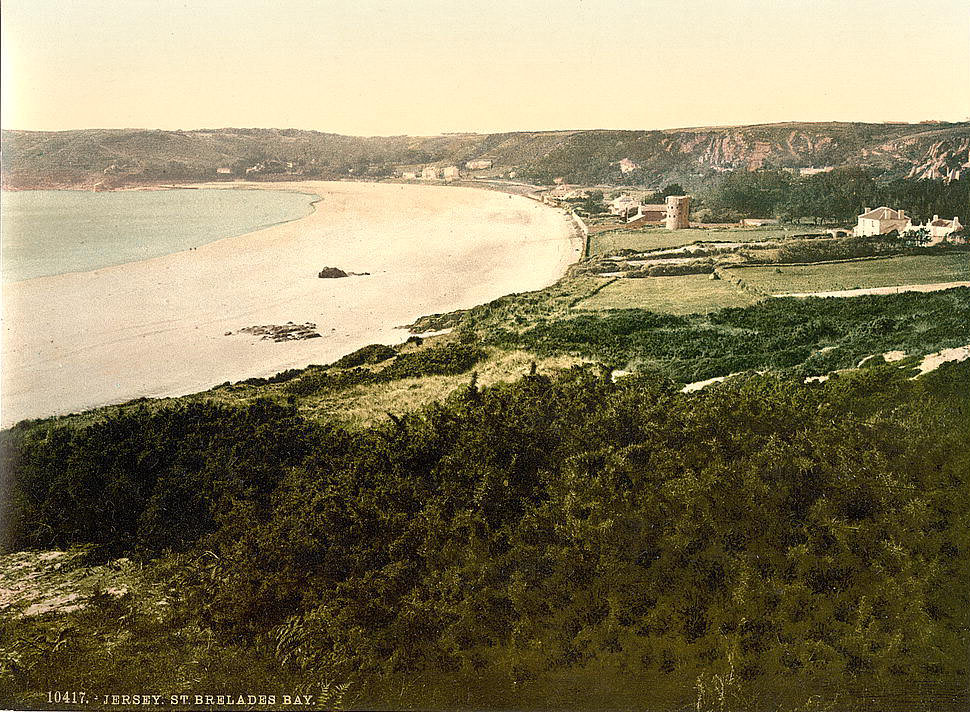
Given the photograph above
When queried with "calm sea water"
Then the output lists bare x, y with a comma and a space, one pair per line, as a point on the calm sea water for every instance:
47, 232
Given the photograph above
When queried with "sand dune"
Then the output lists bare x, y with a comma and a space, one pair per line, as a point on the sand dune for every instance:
157, 327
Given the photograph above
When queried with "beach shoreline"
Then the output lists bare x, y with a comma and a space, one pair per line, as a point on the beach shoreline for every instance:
171, 325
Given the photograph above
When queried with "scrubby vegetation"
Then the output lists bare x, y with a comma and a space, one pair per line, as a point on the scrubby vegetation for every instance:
448, 359
784, 333
555, 542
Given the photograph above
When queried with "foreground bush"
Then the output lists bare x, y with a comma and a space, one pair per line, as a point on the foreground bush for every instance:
554, 539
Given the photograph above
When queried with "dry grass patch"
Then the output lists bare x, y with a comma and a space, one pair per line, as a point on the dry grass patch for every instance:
686, 294
363, 405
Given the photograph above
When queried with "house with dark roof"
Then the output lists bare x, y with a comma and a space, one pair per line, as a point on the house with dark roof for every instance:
940, 228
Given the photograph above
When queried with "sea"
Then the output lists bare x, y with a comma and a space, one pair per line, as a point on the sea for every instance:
48, 232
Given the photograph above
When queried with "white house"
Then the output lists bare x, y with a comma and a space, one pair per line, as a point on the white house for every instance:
940, 228
478, 164
430, 173
813, 170
881, 221
624, 206
758, 222
450, 173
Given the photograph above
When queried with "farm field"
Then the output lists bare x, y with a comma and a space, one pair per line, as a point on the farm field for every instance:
685, 294
659, 238
863, 274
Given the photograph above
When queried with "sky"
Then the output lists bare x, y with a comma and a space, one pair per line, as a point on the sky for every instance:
424, 67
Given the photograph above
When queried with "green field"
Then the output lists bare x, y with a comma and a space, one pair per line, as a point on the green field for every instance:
862, 274
686, 294
658, 238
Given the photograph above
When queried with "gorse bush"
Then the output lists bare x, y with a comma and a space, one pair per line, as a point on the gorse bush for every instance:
146, 481
375, 353
529, 531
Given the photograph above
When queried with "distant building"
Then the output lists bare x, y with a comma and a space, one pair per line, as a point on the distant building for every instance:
565, 192
430, 173
813, 170
224, 170
450, 173
628, 166
479, 164
881, 221
678, 212
758, 222
940, 228
409, 175
651, 213
624, 206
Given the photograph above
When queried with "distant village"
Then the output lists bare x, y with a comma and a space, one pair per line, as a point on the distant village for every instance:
449, 173
674, 212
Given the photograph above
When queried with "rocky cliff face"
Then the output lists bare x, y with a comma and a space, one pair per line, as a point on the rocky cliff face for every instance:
947, 158
735, 150
915, 151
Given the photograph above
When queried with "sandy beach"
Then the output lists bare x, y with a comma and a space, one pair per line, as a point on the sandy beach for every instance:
158, 327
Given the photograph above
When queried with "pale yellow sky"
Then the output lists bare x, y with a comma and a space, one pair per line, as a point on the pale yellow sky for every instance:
429, 66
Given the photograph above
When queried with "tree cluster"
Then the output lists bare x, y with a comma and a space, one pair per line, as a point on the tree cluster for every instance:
836, 196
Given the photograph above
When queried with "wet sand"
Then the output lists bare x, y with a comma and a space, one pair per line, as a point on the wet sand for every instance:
157, 327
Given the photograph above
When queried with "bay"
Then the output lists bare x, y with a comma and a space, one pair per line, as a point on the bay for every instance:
50, 232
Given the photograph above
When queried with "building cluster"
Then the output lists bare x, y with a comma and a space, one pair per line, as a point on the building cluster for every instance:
883, 220
674, 213
447, 172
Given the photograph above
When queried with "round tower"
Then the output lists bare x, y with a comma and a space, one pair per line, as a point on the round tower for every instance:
678, 212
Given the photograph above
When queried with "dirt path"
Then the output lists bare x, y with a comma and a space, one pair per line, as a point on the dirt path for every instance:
938, 286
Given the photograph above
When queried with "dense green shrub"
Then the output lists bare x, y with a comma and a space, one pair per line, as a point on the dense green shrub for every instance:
449, 359
374, 353
145, 480
529, 534
281, 377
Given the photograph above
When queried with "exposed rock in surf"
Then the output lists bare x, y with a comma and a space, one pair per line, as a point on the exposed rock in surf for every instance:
335, 272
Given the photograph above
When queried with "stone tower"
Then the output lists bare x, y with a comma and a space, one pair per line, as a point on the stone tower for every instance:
678, 212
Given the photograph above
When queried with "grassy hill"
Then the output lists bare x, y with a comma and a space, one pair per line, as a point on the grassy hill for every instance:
692, 156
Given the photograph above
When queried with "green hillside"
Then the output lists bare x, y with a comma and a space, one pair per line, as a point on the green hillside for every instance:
690, 156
